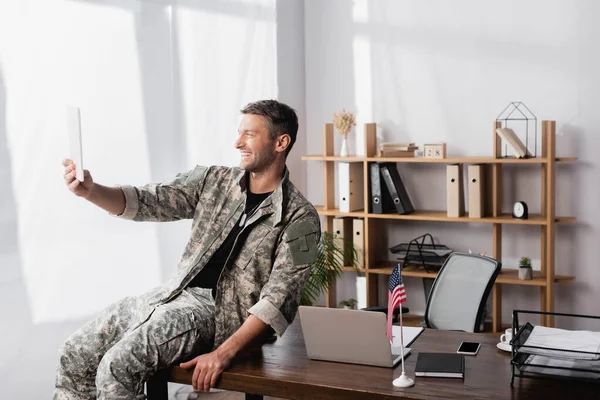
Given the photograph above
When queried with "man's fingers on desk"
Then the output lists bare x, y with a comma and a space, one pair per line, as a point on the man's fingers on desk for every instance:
189, 364
198, 381
213, 381
207, 381
197, 371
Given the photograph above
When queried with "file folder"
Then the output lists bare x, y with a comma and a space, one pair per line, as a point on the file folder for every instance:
381, 201
476, 187
343, 229
454, 190
397, 190
359, 241
351, 187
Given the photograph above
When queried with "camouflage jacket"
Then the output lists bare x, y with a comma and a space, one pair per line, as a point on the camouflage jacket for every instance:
267, 276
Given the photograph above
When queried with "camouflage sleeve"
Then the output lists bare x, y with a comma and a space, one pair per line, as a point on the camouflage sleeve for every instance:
170, 200
294, 257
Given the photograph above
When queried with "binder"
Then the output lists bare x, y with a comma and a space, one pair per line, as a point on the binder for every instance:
358, 234
351, 187
454, 190
342, 228
476, 187
397, 190
381, 201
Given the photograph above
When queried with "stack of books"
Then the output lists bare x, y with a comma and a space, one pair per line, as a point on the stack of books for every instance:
397, 149
510, 138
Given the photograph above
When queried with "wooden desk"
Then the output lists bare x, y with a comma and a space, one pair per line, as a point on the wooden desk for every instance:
282, 369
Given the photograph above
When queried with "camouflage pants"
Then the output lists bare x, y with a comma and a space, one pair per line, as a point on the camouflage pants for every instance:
113, 355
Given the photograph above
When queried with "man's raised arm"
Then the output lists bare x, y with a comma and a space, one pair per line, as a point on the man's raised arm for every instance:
110, 199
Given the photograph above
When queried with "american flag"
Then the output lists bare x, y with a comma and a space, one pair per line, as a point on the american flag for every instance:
396, 296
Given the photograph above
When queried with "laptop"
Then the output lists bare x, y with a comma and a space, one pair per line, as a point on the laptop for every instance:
349, 336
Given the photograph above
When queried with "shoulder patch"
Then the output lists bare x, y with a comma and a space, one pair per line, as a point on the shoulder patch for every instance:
301, 239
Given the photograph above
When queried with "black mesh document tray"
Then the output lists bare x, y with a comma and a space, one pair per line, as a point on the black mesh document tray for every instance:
423, 251
531, 359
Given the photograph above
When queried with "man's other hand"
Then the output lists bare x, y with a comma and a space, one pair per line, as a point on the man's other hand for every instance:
81, 189
208, 368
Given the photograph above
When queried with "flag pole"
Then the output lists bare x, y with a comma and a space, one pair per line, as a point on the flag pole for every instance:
402, 380
401, 337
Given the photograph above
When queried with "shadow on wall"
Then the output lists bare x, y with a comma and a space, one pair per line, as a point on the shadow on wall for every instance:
156, 30
14, 307
162, 98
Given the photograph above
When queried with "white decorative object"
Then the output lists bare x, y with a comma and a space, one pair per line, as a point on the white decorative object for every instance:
437, 150
344, 152
343, 122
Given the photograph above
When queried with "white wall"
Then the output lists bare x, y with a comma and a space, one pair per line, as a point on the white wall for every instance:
438, 71
160, 84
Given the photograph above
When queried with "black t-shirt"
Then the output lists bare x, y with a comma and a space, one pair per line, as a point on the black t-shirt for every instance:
208, 277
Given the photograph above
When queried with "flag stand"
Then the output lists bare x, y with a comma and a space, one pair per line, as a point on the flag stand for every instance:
403, 380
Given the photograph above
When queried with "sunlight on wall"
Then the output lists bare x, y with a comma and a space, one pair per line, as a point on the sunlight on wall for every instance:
76, 259
159, 86
226, 61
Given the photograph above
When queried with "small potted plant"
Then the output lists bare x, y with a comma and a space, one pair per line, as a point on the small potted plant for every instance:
349, 304
525, 271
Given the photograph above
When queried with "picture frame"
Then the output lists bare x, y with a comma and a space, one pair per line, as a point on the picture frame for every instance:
434, 150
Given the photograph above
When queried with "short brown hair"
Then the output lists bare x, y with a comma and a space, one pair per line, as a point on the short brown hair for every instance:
281, 119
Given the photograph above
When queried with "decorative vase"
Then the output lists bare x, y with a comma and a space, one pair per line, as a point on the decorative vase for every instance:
525, 273
344, 151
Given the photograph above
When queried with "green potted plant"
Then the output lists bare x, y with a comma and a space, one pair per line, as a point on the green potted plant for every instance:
349, 304
525, 270
331, 253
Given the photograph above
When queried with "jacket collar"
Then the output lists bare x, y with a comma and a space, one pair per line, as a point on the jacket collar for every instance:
272, 204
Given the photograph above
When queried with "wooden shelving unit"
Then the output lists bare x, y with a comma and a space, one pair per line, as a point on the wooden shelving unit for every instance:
546, 220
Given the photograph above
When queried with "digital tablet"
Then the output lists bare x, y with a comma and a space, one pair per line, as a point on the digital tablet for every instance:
75, 148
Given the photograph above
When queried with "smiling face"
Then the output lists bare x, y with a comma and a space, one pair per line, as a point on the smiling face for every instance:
257, 149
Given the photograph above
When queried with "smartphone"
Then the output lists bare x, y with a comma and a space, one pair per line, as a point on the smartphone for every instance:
469, 348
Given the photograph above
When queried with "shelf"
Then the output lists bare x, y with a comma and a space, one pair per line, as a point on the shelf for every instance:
333, 158
547, 219
429, 215
335, 212
352, 269
449, 160
506, 276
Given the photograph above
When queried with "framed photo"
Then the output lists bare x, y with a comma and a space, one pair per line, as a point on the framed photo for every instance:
435, 150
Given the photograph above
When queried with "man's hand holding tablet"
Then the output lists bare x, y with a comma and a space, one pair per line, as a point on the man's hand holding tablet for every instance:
79, 188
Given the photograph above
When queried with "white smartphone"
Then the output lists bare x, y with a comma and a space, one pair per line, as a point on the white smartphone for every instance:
469, 348
76, 149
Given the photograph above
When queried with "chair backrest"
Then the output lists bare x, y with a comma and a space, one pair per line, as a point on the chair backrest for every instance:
460, 291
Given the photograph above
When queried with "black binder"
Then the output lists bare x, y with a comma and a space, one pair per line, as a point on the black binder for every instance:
381, 200
396, 187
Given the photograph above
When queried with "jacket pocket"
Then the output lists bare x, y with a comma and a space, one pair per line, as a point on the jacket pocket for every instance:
302, 243
256, 246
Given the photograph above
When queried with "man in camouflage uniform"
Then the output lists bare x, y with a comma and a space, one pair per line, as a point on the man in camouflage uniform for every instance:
254, 238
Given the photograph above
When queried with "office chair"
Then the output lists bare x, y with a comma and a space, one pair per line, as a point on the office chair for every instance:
460, 291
